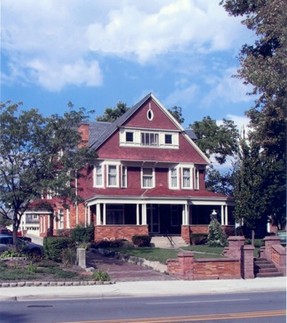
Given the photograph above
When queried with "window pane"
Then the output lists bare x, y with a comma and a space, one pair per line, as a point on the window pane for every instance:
129, 136
99, 175
112, 175
186, 177
168, 139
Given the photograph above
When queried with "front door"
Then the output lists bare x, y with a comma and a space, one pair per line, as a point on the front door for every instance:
153, 218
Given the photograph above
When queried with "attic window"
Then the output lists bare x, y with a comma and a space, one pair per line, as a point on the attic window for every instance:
149, 114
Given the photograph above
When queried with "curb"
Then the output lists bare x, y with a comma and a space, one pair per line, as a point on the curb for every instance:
54, 283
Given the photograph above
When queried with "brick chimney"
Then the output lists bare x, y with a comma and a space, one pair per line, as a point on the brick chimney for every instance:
84, 131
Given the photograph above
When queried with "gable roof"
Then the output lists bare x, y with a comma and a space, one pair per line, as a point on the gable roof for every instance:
101, 131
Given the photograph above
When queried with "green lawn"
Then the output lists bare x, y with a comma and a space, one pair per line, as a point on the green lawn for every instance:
161, 255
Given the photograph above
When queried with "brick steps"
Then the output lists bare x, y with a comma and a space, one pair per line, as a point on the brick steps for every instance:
265, 268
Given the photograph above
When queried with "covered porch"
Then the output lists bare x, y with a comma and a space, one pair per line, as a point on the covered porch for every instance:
121, 219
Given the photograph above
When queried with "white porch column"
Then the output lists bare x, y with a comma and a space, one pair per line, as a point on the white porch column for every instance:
98, 215
226, 215
222, 215
138, 214
68, 219
186, 214
183, 215
104, 214
89, 215
144, 217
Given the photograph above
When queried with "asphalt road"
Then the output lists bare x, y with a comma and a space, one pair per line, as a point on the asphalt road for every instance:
251, 307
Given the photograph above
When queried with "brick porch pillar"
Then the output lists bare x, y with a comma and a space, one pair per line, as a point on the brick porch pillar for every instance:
185, 260
269, 242
247, 261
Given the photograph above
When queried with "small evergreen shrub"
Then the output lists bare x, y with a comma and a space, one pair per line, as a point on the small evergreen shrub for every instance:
198, 238
54, 247
69, 256
141, 240
216, 236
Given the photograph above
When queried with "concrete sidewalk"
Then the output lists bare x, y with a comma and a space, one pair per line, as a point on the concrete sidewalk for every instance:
144, 288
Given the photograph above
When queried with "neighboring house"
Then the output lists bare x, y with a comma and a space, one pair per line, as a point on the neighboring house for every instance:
148, 178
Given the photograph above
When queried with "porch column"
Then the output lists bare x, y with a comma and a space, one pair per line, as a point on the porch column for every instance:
98, 215
186, 214
104, 214
138, 214
89, 215
68, 219
143, 214
222, 215
226, 214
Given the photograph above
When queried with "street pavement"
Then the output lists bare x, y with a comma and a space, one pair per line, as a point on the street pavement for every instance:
144, 288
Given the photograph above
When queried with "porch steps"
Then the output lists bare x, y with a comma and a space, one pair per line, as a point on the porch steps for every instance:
167, 242
265, 268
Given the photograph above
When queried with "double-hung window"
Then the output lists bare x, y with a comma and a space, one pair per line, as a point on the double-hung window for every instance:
149, 139
98, 175
124, 177
112, 179
173, 178
186, 177
147, 177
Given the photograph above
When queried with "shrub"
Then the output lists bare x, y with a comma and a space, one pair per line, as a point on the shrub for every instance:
54, 247
119, 243
216, 236
101, 276
141, 240
83, 234
69, 256
198, 238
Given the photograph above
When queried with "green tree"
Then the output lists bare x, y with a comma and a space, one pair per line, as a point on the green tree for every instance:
177, 114
216, 236
38, 154
112, 114
249, 185
220, 182
221, 140
264, 66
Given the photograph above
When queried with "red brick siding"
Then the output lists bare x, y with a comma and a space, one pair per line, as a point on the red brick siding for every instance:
114, 232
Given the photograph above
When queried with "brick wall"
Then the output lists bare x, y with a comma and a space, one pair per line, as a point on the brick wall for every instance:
114, 232
189, 268
216, 269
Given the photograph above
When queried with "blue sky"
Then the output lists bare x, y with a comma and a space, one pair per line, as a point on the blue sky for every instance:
96, 53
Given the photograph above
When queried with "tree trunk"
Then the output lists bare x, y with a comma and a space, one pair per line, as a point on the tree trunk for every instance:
253, 237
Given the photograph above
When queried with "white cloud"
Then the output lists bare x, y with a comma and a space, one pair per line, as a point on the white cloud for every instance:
182, 96
227, 88
54, 41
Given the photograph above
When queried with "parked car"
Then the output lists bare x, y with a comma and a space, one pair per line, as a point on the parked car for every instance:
4, 230
27, 247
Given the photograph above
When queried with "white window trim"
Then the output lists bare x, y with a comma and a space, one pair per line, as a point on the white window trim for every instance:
124, 176
170, 178
153, 178
190, 178
117, 174
95, 175
196, 178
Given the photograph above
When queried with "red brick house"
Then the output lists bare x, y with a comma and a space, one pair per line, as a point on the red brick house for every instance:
148, 178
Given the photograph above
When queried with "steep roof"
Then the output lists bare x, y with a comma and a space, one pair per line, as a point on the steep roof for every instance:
101, 131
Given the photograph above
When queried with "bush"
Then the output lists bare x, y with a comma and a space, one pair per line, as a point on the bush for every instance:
141, 240
69, 256
216, 236
119, 243
83, 234
198, 238
54, 247
101, 276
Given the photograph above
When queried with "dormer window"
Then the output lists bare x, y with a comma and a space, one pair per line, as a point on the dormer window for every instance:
168, 139
129, 136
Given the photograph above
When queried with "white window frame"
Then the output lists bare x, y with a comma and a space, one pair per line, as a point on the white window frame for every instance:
152, 177
124, 176
196, 178
183, 186
149, 139
171, 176
116, 175
101, 174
